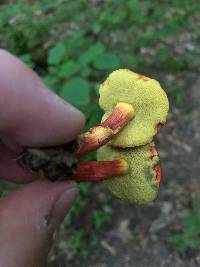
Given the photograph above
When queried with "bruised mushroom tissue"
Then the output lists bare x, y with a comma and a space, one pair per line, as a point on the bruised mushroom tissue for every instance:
135, 142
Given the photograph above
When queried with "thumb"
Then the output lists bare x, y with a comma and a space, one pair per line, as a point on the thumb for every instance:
28, 219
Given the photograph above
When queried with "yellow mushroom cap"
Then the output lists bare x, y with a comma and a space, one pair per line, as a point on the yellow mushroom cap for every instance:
149, 101
140, 185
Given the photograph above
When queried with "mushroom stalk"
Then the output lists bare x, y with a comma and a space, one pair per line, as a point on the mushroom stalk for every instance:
103, 133
92, 171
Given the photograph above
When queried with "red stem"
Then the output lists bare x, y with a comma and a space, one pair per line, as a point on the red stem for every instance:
103, 133
100, 170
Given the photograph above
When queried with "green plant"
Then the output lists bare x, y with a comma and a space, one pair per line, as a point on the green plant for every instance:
189, 238
100, 218
80, 204
75, 241
141, 35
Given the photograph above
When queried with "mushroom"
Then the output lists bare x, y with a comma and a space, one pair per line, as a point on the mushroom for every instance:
141, 183
135, 108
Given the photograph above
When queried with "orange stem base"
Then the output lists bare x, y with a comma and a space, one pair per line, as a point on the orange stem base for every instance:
92, 171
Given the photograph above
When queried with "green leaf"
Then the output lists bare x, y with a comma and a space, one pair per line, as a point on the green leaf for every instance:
26, 58
193, 242
85, 72
76, 91
68, 218
106, 61
96, 49
96, 27
89, 55
68, 69
163, 54
84, 188
176, 238
56, 54
50, 81
100, 218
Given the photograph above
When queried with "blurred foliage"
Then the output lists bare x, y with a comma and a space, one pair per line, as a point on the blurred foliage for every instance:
74, 45
189, 238
65, 40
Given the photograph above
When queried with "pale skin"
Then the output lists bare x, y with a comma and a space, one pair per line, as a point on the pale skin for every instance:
31, 115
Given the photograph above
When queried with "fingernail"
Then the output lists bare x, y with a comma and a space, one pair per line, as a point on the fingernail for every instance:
63, 204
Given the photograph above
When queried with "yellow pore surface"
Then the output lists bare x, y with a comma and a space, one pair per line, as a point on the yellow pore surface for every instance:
149, 102
139, 185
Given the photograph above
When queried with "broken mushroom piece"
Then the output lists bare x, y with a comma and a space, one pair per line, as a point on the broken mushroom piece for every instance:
148, 100
140, 185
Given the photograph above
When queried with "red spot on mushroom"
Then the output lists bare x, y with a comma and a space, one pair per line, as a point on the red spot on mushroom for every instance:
159, 126
157, 169
153, 152
144, 78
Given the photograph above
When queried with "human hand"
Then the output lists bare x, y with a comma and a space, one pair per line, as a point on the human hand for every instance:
31, 115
